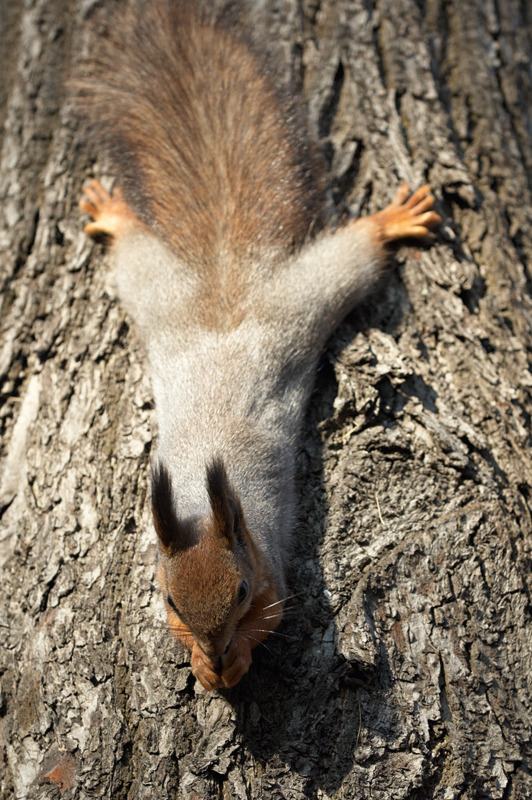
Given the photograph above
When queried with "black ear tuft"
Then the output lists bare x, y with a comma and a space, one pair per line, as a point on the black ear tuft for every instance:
224, 504
173, 533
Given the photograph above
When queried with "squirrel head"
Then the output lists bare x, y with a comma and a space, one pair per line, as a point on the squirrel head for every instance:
209, 564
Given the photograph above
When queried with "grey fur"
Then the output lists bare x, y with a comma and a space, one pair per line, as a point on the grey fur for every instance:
240, 394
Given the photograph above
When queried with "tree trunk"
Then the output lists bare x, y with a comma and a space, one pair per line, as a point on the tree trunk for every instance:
403, 667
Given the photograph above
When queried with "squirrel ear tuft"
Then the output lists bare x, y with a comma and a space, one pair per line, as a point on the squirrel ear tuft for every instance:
173, 534
224, 504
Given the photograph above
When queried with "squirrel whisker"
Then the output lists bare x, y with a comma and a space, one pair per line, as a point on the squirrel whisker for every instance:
249, 637
283, 600
272, 633
271, 616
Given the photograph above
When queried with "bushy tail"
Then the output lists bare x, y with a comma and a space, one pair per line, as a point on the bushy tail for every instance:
202, 147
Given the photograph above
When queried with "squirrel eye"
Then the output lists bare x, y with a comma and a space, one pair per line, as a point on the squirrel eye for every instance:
171, 604
242, 592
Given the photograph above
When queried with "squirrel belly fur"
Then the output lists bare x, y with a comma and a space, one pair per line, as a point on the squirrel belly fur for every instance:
234, 281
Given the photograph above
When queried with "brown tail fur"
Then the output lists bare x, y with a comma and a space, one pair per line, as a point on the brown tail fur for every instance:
205, 151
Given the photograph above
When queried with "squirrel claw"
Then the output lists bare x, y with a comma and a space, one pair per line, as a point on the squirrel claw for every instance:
401, 194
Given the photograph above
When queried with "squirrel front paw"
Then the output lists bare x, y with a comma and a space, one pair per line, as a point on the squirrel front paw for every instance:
236, 661
204, 670
408, 216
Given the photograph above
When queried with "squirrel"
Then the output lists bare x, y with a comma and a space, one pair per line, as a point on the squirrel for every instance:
235, 280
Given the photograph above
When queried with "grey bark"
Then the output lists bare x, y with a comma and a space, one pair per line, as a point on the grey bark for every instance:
403, 667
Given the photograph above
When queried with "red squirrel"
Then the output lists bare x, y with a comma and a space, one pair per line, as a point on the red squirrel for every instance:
224, 261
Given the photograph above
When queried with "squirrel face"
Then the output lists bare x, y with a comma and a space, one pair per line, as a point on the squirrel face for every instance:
207, 593
208, 564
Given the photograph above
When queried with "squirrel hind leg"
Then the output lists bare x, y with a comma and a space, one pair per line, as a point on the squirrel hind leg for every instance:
110, 213
408, 216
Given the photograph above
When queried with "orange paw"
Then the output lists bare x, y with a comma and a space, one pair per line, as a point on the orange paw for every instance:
408, 216
111, 213
236, 661
204, 670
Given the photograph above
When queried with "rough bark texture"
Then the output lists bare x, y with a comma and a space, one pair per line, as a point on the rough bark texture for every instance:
403, 668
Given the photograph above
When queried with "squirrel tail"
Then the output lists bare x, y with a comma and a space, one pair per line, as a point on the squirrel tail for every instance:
204, 149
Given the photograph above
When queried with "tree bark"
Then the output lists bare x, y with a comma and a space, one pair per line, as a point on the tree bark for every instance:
403, 667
